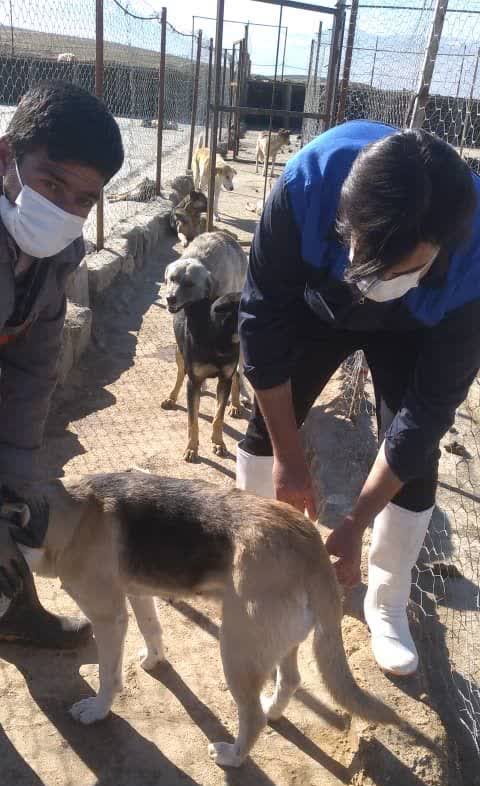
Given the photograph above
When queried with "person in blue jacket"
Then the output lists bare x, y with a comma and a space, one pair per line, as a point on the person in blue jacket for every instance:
370, 240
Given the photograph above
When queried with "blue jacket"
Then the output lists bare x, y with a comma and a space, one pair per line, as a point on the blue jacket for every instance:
297, 254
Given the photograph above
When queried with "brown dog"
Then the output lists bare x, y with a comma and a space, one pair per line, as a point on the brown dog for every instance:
224, 173
277, 141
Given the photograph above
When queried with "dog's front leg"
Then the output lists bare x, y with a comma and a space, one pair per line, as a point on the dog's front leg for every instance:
215, 204
110, 637
193, 404
223, 391
171, 400
274, 156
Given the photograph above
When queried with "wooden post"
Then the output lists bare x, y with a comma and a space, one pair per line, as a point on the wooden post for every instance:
99, 94
423, 87
161, 99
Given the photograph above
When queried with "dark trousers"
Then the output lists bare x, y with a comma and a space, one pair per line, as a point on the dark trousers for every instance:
391, 358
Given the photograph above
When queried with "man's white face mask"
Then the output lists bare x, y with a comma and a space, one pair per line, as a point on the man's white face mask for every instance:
375, 288
39, 228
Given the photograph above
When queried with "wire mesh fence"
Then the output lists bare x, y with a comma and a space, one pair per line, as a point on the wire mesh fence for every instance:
57, 41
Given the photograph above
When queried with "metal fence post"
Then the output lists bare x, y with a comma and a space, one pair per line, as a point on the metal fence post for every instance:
270, 124
224, 75
209, 90
216, 104
423, 88
99, 94
342, 100
236, 122
306, 102
194, 101
334, 63
468, 110
284, 52
230, 144
161, 99
374, 62
317, 57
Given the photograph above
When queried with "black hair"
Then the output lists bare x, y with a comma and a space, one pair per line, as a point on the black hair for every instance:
407, 188
71, 123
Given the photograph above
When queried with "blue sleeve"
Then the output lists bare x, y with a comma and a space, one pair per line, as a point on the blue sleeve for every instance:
273, 294
448, 362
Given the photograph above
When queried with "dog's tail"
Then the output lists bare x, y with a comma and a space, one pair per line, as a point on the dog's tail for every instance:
200, 142
332, 661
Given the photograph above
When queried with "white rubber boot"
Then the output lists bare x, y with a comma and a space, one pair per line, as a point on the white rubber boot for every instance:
254, 474
398, 535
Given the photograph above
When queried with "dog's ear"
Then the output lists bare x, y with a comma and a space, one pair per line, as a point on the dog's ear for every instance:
234, 171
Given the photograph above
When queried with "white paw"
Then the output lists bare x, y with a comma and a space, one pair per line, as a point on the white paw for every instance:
224, 754
270, 708
89, 710
151, 658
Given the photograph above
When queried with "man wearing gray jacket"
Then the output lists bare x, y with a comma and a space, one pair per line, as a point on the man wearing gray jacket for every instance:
61, 147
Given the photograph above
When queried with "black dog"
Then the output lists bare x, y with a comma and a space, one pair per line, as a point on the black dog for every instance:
207, 346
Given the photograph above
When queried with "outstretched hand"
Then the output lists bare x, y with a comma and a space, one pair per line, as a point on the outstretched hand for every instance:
293, 484
345, 542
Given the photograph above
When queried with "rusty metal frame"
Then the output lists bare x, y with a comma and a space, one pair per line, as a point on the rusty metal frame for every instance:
193, 122
209, 90
327, 117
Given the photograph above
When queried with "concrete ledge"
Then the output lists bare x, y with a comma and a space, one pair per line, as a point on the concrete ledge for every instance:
132, 245
76, 337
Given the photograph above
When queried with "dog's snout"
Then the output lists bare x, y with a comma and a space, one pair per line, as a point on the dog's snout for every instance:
171, 300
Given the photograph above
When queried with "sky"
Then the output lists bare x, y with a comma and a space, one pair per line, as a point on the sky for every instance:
389, 43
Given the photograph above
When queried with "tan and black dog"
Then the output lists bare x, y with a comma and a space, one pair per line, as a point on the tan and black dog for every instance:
186, 218
135, 535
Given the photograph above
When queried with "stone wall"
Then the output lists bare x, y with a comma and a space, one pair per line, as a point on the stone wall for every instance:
134, 244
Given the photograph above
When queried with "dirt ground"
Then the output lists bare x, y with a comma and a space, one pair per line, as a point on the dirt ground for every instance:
108, 417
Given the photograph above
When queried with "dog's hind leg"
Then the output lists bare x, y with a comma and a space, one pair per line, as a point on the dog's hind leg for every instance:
287, 682
110, 634
235, 410
223, 392
193, 404
245, 675
146, 615
171, 400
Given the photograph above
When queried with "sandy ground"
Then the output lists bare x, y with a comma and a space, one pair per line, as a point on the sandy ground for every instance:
108, 417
